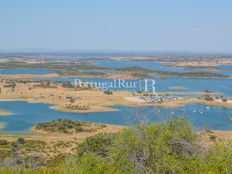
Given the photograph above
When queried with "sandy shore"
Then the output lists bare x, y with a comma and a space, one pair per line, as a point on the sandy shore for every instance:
178, 88
5, 113
195, 101
79, 75
52, 137
87, 100
54, 143
208, 138
202, 62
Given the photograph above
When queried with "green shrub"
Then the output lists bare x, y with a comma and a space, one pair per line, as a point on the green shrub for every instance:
78, 128
89, 164
20, 141
168, 148
98, 144
213, 137
108, 92
155, 148
3, 142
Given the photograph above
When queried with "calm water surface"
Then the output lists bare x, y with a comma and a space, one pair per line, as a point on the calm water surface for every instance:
227, 69
222, 85
144, 64
25, 115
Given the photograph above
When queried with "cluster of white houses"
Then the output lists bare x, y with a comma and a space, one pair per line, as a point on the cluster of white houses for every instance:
160, 98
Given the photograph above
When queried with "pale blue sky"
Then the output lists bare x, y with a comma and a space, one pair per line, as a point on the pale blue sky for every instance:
197, 25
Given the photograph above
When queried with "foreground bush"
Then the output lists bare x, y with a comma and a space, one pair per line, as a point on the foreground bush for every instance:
169, 148
99, 144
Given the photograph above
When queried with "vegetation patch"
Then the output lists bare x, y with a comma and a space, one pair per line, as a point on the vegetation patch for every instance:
65, 126
79, 107
170, 148
169, 73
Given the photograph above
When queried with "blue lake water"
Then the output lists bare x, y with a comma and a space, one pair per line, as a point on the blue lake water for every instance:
144, 64
25, 115
101, 71
63, 58
27, 71
227, 69
223, 85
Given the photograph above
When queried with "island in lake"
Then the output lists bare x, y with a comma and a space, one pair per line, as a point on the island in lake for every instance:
46, 116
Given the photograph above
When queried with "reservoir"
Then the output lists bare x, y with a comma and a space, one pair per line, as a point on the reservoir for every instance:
25, 115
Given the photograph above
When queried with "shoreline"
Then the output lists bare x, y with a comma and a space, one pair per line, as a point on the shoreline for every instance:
75, 68
70, 99
5, 113
119, 99
220, 136
129, 73
51, 137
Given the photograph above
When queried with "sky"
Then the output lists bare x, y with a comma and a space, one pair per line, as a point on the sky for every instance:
194, 25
